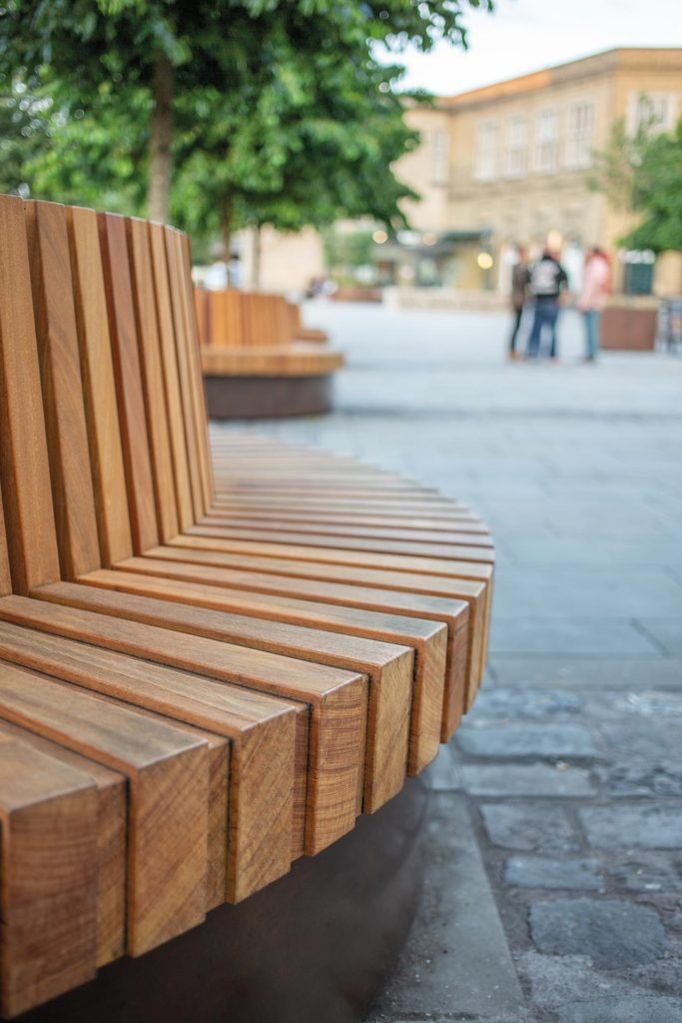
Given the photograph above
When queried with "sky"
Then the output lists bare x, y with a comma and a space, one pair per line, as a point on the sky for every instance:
524, 35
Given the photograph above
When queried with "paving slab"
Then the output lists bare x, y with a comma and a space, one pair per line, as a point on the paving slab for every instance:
559, 780
612, 933
647, 826
541, 872
593, 636
645, 1009
667, 632
526, 740
535, 827
618, 672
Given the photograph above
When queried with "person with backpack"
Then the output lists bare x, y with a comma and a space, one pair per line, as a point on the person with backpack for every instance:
548, 279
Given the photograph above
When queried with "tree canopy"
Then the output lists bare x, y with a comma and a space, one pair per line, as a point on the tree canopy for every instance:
231, 112
642, 173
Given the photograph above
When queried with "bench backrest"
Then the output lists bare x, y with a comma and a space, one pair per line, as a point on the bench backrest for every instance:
98, 341
243, 319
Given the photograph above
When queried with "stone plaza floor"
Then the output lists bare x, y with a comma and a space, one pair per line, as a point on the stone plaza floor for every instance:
554, 877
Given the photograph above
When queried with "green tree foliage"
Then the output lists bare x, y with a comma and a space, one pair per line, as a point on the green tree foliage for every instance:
642, 174
657, 195
272, 111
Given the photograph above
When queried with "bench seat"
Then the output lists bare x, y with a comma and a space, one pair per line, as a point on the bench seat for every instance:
217, 660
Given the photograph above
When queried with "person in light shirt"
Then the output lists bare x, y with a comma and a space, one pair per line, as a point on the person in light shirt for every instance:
595, 291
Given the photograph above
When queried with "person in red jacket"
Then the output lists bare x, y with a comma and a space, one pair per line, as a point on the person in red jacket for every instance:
594, 293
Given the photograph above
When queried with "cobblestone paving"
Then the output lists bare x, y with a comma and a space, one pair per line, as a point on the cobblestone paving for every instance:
558, 807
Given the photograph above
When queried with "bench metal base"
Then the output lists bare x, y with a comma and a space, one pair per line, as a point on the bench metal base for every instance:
311, 948
249, 397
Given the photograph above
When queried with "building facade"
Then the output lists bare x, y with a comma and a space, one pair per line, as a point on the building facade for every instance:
510, 164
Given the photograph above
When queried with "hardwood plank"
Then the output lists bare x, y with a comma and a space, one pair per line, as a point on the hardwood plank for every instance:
5, 576
205, 462
127, 373
262, 731
192, 441
337, 700
263, 512
170, 369
243, 522
388, 666
147, 328
428, 639
403, 559
97, 368
111, 838
67, 438
48, 897
23, 462
464, 629
167, 770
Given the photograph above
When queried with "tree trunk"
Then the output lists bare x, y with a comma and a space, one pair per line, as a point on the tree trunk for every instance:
255, 266
161, 164
226, 227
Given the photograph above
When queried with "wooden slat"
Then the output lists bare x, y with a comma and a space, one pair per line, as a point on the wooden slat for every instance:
428, 639
127, 372
152, 376
169, 361
111, 838
478, 537
167, 770
67, 438
23, 463
323, 549
261, 512
389, 667
205, 463
337, 699
177, 303
5, 577
48, 896
261, 730
101, 409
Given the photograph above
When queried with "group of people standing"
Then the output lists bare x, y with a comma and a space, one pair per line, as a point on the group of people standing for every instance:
543, 284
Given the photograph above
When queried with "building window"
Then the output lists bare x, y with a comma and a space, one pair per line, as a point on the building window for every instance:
580, 135
656, 111
547, 142
440, 157
516, 154
486, 150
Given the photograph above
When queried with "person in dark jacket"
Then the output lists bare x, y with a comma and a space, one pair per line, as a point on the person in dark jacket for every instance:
520, 279
547, 281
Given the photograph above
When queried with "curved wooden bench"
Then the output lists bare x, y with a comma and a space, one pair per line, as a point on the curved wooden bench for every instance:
258, 359
209, 667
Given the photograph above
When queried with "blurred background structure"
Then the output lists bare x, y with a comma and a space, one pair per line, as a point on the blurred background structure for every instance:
515, 162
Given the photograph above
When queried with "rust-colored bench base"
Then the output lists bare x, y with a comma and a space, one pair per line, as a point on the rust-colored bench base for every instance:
249, 397
311, 948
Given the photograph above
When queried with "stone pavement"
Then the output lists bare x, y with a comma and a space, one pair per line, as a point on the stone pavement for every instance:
554, 879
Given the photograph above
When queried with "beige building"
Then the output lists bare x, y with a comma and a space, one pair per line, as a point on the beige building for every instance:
510, 163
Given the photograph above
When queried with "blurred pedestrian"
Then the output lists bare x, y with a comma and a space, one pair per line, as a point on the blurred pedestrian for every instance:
548, 279
595, 291
519, 289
